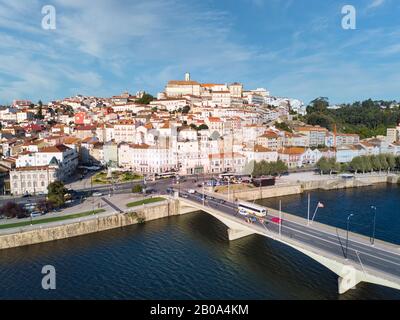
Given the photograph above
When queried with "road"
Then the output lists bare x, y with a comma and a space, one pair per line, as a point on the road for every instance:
359, 252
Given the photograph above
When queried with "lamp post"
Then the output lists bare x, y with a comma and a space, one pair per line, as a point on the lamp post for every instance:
374, 225
347, 234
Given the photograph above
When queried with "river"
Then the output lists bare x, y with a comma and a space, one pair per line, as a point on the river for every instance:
189, 257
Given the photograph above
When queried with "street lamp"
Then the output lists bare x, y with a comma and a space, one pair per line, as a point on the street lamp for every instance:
374, 225
347, 234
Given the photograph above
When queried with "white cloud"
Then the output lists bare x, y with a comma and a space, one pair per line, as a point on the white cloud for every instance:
376, 4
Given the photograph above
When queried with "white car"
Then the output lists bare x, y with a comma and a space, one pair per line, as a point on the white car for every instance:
191, 191
97, 194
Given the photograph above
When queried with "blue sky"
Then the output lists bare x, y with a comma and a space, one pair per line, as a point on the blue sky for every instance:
295, 48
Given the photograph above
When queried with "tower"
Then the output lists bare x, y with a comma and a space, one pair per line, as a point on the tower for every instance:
187, 76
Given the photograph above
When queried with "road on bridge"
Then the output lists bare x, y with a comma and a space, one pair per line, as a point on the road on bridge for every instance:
360, 253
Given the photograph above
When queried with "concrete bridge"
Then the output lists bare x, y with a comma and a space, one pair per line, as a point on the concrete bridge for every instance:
359, 261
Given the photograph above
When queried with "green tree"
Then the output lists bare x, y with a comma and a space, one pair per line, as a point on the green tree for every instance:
376, 163
391, 160
319, 105
185, 109
283, 126
137, 188
366, 164
356, 164
398, 162
320, 119
264, 168
39, 112
383, 161
145, 99
203, 127
56, 193
323, 165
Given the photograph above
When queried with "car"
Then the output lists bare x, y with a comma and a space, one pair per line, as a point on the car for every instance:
36, 214
199, 185
26, 195
21, 216
276, 220
252, 219
97, 194
184, 195
191, 191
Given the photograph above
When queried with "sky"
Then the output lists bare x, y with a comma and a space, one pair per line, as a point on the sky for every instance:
294, 48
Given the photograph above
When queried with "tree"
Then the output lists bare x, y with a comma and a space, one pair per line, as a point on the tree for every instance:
376, 163
264, 168
356, 164
320, 119
145, 99
318, 105
13, 210
366, 164
391, 160
202, 127
56, 193
45, 205
137, 188
185, 109
283, 126
39, 113
398, 162
323, 165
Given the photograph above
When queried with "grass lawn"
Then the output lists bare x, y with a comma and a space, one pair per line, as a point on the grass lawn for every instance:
117, 177
144, 201
48, 220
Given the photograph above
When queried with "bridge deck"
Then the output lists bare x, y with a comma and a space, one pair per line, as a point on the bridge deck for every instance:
382, 259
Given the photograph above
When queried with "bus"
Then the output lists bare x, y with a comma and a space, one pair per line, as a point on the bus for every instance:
235, 177
247, 208
165, 175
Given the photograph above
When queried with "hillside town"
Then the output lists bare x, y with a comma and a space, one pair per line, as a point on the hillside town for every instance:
189, 128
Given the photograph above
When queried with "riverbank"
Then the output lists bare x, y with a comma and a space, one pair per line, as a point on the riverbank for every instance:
292, 185
88, 224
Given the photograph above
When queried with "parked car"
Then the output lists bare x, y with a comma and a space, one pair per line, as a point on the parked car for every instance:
97, 194
191, 191
26, 195
36, 214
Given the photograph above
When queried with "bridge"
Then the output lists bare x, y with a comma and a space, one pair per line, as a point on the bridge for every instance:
354, 259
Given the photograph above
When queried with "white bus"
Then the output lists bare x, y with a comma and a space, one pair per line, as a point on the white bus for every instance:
165, 175
247, 208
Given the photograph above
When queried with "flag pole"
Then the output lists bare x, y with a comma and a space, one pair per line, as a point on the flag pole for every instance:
315, 212
308, 210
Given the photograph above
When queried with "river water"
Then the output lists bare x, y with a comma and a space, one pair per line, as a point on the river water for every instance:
189, 257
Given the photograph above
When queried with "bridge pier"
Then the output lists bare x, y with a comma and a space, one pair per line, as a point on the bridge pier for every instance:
234, 234
349, 278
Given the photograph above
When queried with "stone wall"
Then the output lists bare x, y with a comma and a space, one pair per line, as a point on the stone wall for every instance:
300, 187
78, 227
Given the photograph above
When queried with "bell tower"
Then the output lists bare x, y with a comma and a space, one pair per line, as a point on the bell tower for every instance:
187, 76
